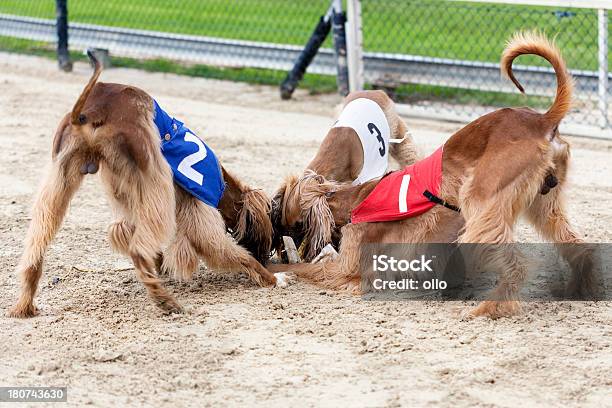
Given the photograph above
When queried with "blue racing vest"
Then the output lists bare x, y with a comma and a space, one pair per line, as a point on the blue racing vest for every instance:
194, 165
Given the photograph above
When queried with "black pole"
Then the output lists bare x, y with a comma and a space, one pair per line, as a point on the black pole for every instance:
63, 57
339, 33
305, 58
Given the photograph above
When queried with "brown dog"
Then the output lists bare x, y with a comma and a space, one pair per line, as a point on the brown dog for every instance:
111, 127
298, 208
493, 170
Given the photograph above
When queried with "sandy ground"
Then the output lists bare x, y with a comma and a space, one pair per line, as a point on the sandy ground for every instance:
99, 335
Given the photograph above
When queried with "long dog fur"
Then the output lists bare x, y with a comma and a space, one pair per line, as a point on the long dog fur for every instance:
246, 212
304, 215
493, 169
111, 127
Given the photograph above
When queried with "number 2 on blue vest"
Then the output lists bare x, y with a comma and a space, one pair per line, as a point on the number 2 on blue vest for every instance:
186, 165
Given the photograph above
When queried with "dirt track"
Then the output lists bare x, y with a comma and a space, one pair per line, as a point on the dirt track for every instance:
238, 344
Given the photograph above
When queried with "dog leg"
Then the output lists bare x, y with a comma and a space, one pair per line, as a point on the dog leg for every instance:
341, 273
120, 234
145, 271
48, 212
547, 214
181, 258
144, 252
224, 254
151, 223
145, 238
491, 227
328, 274
205, 229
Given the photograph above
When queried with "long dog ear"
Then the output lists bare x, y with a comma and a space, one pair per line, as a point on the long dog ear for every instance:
254, 227
276, 212
316, 214
76, 117
276, 217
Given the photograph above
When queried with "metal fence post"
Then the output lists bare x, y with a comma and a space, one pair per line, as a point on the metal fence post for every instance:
355, 46
338, 22
63, 57
603, 66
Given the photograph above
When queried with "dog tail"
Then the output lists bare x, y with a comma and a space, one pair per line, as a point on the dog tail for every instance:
78, 106
537, 44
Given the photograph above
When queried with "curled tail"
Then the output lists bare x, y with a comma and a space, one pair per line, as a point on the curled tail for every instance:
537, 44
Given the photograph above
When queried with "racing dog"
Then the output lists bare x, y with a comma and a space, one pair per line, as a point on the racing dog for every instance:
355, 150
164, 185
471, 190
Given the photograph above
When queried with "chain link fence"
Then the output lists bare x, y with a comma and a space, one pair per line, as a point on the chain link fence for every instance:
437, 57
245, 40
443, 56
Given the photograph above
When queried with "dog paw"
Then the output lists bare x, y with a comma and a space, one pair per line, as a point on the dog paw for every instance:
582, 289
170, 306
178, 273
284, 279
23, 311
465, 314
163, 270
328, 253
493, 309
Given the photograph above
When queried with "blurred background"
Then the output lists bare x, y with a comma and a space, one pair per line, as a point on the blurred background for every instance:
436, 58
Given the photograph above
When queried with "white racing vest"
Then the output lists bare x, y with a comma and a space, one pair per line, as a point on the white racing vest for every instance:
368, 120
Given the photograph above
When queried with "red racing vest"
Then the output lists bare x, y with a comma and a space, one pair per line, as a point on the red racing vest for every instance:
403, 193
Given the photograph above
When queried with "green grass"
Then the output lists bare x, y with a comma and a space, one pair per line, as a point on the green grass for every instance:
284, 21
411, 93
476, 31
